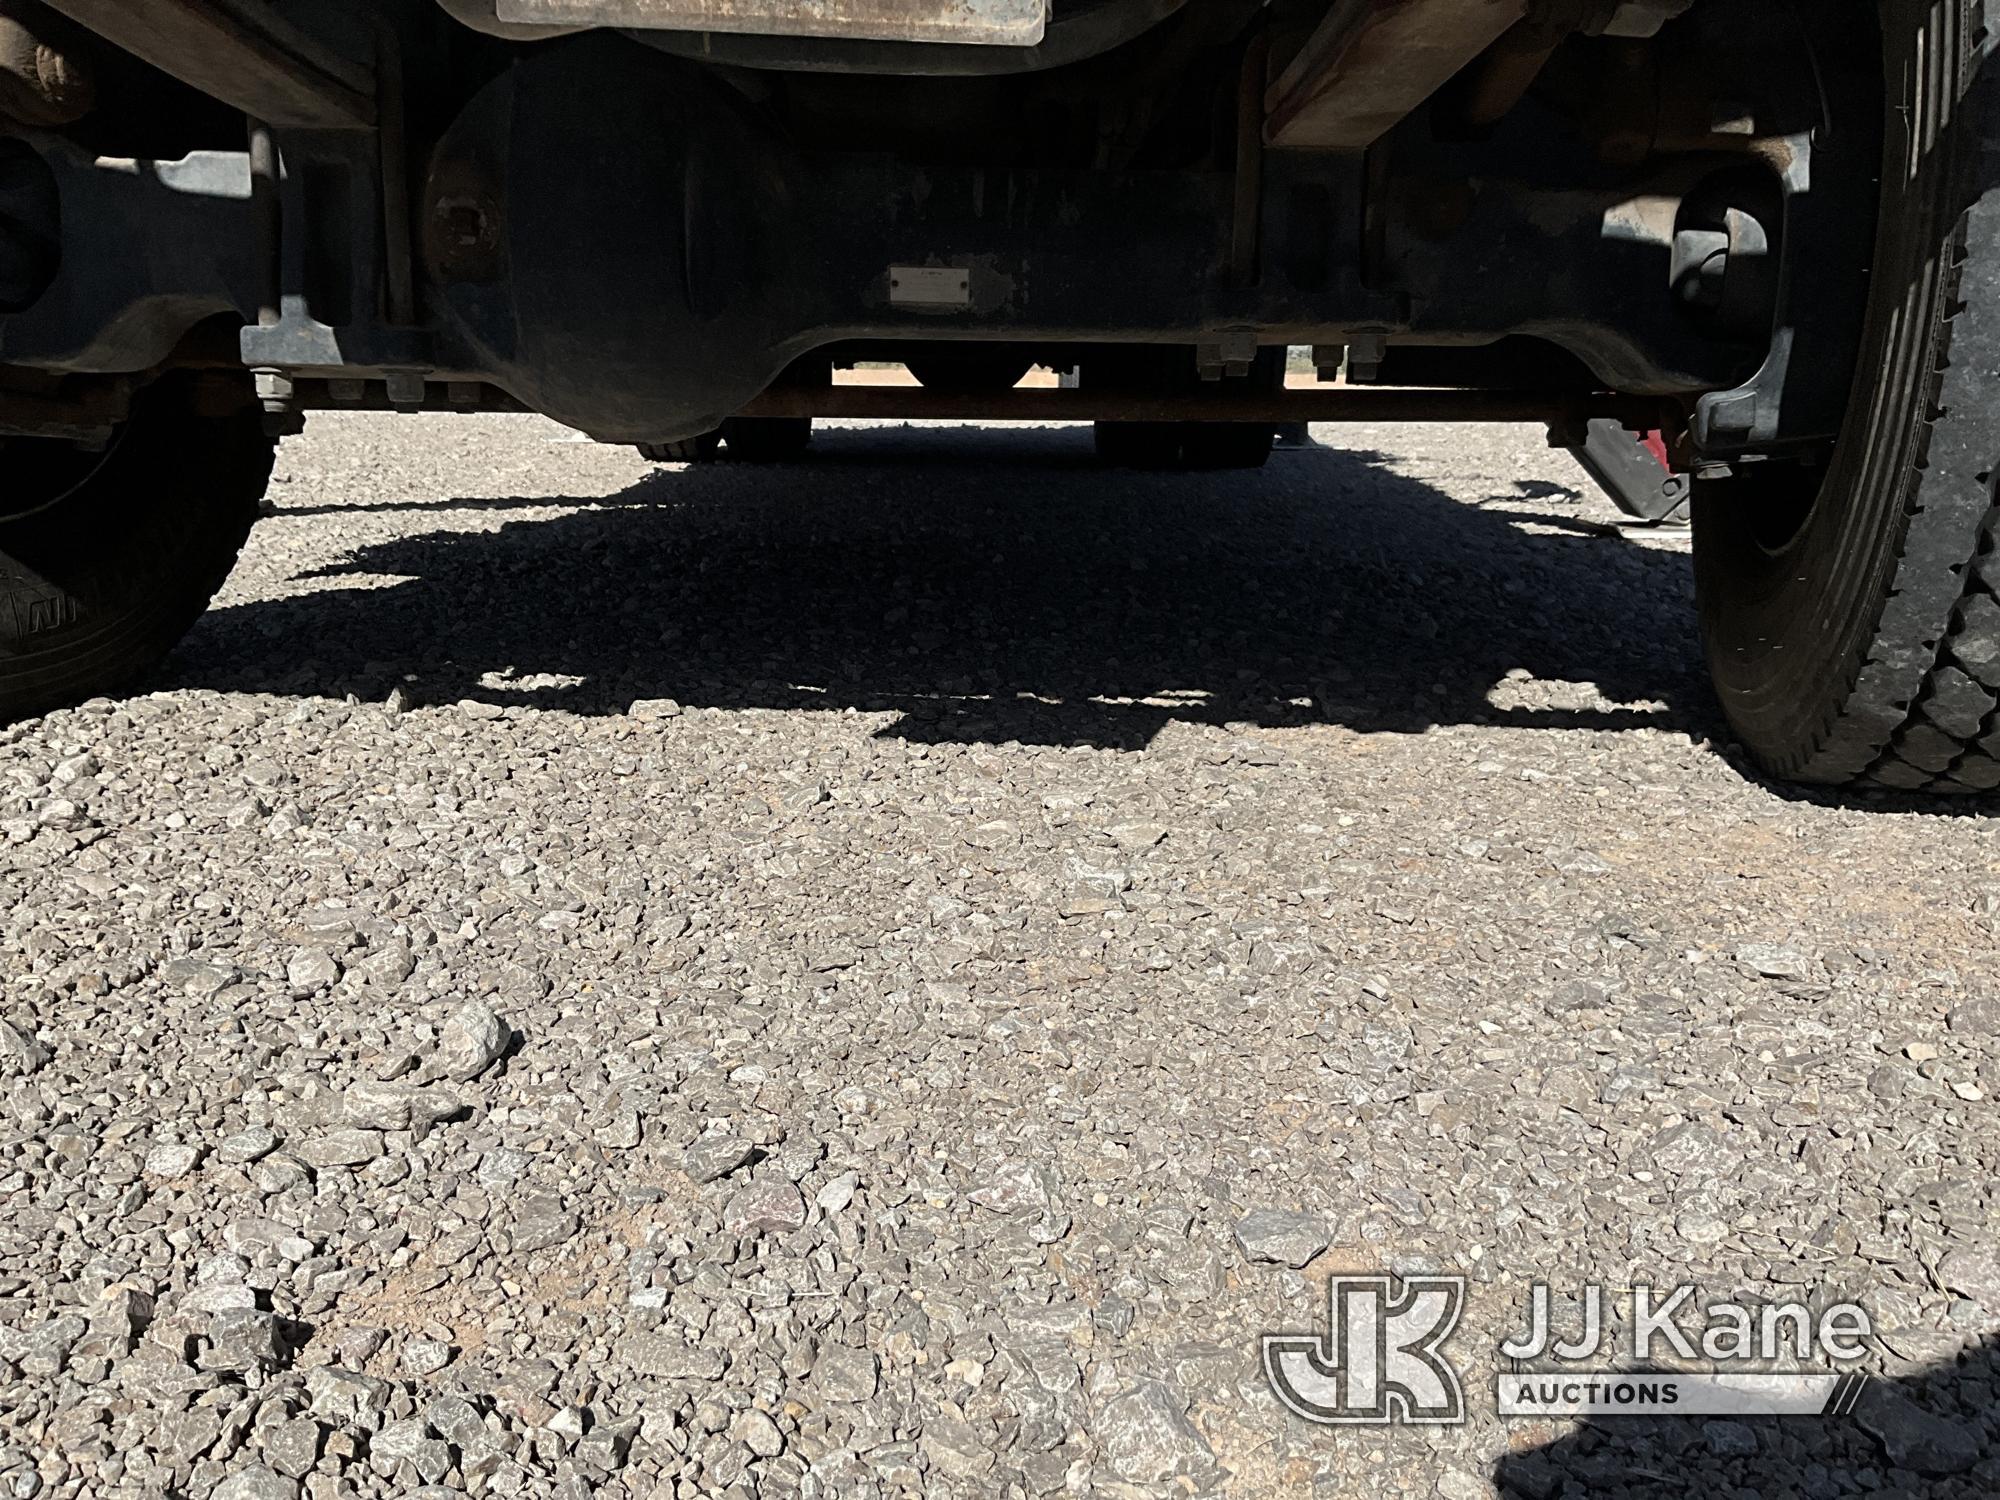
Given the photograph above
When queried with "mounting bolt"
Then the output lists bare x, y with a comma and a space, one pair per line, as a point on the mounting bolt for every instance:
406, 387
1365, 353
279, 399
1232, 354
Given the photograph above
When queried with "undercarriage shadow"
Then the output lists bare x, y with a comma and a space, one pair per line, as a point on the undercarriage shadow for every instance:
1924, 1432
994, 585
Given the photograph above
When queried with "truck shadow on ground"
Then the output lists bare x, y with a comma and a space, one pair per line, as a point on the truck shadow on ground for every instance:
999, 586
1929, 1431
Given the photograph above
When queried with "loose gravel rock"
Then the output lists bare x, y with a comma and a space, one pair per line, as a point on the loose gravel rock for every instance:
1280, 1237
472, 1042
716, 1156
883, 977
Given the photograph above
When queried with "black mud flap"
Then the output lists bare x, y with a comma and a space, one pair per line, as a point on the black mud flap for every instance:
1636, 478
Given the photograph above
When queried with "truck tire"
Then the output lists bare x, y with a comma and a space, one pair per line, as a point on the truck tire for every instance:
694, 450
1227, 445
1138, 445
1187, 445
754, 440
107, 558
767, 440
1237, 445
1851, 615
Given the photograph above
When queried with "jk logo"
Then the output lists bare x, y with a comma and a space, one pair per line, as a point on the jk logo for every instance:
1378, 1361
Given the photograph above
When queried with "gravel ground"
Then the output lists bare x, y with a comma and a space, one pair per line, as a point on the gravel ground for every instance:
883, 977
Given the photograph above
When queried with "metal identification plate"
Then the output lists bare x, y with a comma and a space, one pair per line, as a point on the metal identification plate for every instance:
930, 286
1004, 23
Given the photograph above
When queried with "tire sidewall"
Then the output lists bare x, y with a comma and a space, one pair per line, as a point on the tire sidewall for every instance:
1788, 630
96, 588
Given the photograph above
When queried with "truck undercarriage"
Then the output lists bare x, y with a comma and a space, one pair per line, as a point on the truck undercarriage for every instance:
1745, 225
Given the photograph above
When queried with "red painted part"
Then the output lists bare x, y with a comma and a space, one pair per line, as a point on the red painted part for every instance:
1655, 443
